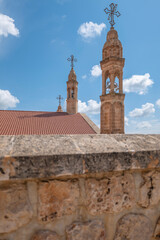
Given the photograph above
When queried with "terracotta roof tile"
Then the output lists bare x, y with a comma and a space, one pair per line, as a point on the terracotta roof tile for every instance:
42, 123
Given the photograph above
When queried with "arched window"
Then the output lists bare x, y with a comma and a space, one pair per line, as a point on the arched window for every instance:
116, 85
108, 85
72, 93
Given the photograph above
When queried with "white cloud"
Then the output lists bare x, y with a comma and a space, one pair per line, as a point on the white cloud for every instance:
146, 110
144, 125
138, 84
96, 71
151, 126
7, 26
126, 121
158, 103
91, 107
84, 76
7, 100
90, 29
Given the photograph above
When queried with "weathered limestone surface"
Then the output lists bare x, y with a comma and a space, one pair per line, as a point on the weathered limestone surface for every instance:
23, 157
92, 230
15, 209
134, 227
49, 145
57, 199
100, 187
45, 235
113, 194
150, 190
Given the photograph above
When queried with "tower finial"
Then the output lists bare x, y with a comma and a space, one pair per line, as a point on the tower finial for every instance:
112, 12
60, 98
72, 59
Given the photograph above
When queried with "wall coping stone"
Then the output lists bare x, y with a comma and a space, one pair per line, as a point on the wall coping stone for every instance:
27, 157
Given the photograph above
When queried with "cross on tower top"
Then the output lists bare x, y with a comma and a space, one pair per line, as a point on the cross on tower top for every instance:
112, 12
72, 59
60, 98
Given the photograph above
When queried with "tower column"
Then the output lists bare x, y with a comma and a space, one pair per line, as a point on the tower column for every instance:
121, 82
112, 79
103, 83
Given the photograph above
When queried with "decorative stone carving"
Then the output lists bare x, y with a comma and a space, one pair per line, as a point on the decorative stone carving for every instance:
57, 199
133, 227
150, 191
45, 235
15, 209
112, 194
113, 46
91, 230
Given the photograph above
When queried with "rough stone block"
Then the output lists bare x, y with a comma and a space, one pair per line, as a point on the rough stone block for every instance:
91, 230
150, 191
45, 235
133, 227
15, 209
57, 199
112, 194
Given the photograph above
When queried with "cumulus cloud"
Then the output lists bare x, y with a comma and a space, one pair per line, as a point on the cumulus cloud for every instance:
7, 26
7, 100
96, 71
146, 110
91, 107
90, 29
158, 103
138, 84
127, 121
144, 125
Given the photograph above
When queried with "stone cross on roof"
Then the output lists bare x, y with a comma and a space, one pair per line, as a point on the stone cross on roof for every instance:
72, 59
112, 12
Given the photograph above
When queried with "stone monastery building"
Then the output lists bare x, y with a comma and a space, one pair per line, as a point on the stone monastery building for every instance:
71, 183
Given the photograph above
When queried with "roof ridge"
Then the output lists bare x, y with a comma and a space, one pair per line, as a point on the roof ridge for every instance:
90, 123
29, 111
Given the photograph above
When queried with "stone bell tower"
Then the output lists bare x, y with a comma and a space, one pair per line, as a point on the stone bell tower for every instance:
72, 89
112, 99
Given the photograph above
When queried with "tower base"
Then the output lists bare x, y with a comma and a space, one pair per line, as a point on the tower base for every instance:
112, 113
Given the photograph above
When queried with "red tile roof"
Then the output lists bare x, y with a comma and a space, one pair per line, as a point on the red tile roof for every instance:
42, 123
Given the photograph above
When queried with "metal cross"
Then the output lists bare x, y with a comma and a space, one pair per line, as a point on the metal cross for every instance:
60, 98
72, 59
108, 87
112, 12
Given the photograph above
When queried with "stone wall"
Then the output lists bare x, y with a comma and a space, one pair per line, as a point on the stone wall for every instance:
98, 187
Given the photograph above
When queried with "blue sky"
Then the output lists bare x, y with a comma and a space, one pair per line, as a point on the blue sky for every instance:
37, 37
